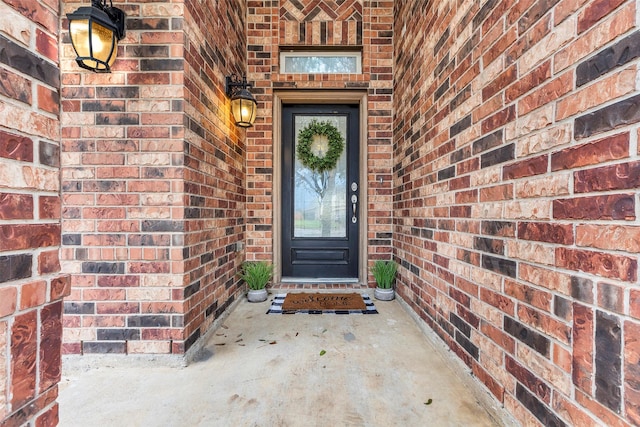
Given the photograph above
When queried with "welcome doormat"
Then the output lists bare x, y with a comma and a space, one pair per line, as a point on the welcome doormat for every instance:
322, 303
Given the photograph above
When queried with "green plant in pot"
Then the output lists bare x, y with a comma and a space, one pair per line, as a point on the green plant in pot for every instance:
256, 275
384, 272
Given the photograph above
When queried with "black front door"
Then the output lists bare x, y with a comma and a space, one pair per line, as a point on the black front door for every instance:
320, 208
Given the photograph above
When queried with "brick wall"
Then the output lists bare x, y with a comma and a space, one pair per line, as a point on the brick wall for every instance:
31, 286
152, 181
214, 162
516, 176
350, 24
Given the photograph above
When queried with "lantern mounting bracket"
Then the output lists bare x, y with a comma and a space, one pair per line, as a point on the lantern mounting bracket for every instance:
234, 84
116, 15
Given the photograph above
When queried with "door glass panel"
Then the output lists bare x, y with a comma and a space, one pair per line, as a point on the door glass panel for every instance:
320, 208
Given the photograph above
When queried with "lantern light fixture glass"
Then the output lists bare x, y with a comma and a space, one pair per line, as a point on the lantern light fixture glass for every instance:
243, 105
95, 31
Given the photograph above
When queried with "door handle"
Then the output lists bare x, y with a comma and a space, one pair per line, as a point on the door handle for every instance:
354, 207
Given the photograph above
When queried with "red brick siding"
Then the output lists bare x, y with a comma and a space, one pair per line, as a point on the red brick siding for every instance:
31, 283
352, 23
152, 177
214, 161
515, 183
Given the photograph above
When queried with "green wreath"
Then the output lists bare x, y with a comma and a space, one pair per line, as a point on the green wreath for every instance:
335, 146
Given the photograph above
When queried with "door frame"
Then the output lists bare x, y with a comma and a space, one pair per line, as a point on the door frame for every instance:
281, 98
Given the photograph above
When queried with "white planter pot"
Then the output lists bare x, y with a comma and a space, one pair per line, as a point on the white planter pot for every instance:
258, 295
384, 294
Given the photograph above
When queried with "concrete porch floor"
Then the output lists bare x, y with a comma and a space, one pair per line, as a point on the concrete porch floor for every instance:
267, 370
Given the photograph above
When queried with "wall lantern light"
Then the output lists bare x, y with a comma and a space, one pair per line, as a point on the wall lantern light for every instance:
243, 104
95, 32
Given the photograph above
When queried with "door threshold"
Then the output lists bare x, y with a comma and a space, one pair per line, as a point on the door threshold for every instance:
320, 280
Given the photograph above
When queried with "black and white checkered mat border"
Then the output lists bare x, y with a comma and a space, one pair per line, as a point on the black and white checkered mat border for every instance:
276, 307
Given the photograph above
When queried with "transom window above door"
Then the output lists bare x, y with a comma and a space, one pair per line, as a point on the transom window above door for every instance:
320, 62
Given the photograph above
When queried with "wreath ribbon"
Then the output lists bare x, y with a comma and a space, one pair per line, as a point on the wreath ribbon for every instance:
335, 146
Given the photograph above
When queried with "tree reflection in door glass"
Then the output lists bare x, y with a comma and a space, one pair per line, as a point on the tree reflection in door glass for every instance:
320, 197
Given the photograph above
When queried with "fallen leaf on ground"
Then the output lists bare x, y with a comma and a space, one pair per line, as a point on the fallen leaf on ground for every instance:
322, 353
